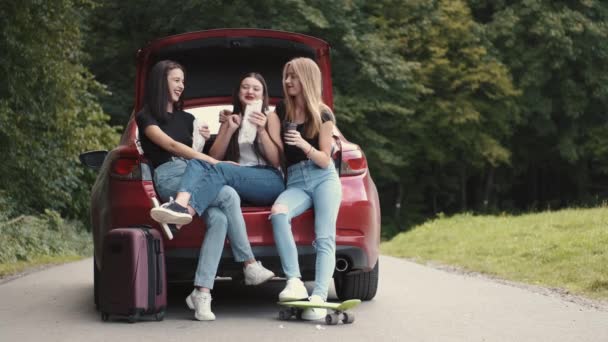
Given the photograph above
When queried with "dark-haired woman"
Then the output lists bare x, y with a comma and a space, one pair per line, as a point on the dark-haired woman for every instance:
256, 177
264, 151
166, 136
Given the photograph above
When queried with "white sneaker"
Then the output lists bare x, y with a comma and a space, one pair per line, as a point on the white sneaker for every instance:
294, 290
200, 302
165, 227
313, 314
256, 274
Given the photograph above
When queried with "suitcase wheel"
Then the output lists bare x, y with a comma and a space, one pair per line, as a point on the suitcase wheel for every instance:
133, 318
105, 316
160, 315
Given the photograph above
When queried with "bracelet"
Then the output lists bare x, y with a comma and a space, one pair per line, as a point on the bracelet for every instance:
309, 151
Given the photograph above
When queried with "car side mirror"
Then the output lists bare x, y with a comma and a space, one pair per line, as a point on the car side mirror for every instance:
93, 159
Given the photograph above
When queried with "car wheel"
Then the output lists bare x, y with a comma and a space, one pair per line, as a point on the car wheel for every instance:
362, 285
96, 284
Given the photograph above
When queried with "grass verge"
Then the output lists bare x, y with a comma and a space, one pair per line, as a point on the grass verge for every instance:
564, 249
9, 269
31, 241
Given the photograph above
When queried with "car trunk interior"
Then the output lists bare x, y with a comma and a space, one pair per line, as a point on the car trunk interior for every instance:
215, 65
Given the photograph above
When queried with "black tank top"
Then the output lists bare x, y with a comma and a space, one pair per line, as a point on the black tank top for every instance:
294, 154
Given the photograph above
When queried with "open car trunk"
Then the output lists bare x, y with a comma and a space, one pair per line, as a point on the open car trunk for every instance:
215, 60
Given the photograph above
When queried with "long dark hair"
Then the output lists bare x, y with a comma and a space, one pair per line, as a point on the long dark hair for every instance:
232, 151
157, 90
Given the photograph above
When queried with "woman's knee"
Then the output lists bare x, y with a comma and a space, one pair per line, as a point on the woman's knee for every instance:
278, 213
228, 196
216, 219
279, 209
325, 244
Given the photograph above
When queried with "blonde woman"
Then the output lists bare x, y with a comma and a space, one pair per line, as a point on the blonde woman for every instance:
312, 181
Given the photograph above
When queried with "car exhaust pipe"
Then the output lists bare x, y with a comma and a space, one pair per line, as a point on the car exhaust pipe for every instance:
342, 265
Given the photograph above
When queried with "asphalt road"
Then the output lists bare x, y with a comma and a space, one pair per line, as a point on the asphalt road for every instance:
414, 303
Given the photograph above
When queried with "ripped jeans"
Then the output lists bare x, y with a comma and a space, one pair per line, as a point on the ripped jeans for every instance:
223, 217
309, 186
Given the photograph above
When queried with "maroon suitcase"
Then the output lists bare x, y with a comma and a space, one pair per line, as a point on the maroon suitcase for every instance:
133, 281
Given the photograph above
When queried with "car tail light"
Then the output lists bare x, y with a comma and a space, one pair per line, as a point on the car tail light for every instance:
353, 163
126, 169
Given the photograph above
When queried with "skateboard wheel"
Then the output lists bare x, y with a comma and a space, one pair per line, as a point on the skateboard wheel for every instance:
298, 313
348, 317
284, 314
332, 319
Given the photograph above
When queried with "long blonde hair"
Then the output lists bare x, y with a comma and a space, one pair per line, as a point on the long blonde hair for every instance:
309, 76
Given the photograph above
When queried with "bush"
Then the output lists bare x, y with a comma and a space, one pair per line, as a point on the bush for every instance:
24, 237
49, 112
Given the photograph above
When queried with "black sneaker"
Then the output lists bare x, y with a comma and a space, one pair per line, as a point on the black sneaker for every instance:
165, 228
173, 228
171, 213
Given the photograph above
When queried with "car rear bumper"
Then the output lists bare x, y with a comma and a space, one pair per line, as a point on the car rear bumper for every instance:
181, 263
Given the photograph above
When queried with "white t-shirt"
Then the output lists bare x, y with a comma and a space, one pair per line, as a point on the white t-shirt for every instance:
248, 157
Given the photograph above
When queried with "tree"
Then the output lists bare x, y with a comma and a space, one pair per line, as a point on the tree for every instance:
465, 113
48, 107
558, 56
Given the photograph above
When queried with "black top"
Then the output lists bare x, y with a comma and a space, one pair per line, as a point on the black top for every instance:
294, 154
179, 127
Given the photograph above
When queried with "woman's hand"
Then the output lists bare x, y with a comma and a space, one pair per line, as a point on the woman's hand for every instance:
204, 131
230, 162
234, 121
259, 120
224, 115
294, 138
210, 160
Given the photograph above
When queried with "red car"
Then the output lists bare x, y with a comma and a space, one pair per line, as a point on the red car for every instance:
214, 61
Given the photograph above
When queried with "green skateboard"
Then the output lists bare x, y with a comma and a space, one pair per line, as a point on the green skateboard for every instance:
338, 310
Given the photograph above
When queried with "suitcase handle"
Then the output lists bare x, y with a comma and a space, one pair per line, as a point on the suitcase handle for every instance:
154, 247
159, 268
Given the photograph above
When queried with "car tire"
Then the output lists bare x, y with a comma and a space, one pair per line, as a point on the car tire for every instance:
96, 284
361, 285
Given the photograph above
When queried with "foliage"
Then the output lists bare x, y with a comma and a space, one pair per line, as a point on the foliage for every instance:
558, 56
25, 238
49, 111
463, 115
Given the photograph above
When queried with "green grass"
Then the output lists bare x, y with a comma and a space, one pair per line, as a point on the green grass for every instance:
564, 249
31, 241
8, 269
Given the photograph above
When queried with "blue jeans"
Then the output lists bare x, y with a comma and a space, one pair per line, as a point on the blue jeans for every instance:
168, 176
259, 185
310, 186
223, 217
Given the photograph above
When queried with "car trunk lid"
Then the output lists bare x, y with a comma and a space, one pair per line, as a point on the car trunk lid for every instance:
215, 60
